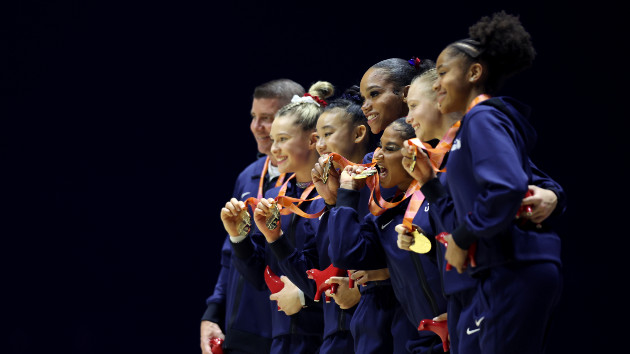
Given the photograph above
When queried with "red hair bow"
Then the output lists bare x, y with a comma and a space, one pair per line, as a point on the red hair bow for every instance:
415, 62
317, 99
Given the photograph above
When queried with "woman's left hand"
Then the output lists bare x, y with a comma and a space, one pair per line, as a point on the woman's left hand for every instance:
455, 256
345, 296
543, 203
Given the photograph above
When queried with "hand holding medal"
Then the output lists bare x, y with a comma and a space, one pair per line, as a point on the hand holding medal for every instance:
422, 161
416, 162
414, 240
326, 179
235, 217
267, 219
354, 176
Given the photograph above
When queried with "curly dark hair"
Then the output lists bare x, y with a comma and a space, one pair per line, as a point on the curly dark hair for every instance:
502, 44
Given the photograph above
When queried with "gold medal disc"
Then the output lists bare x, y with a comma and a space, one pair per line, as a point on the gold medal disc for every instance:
272, 220
421, 243
366, 173
245, 224
326, 168
412, 166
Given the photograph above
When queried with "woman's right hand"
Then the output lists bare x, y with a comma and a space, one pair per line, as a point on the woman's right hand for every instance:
405, 239
230, 215
361, 277
261, 213
345, 296
423, 170
288, 298
346, 180
327, 190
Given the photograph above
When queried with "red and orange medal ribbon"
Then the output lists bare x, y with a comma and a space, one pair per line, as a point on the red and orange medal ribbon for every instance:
287, 205
372, 182
436, 155
477, 100
245, 223
253, 201
421, 243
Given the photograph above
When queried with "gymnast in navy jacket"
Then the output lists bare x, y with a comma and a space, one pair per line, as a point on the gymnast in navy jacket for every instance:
369, 242
240, 308
342, 125
488, 175
297, 321
429, 123
236, 311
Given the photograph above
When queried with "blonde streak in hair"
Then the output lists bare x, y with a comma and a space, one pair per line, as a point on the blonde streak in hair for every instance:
306, 115
427, 79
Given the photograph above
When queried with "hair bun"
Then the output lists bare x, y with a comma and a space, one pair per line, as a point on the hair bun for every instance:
322, 89
353, 94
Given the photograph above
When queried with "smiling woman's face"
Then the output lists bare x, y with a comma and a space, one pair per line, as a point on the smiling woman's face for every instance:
453, 88
382, 104
424, 116
291, 145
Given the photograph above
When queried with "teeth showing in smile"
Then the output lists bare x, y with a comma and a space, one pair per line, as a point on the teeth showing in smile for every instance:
371, 117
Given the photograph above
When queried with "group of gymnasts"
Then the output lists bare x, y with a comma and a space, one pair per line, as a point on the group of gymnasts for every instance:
402, 215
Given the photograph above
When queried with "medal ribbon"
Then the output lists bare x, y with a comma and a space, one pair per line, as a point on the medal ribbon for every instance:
253, 201
262, 178
477, 100
436, 155
373, 184
287, 205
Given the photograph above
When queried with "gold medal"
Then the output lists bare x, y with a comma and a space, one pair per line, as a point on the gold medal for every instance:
274, 217
412, 165
366, 173
245, 224
326, 168
421, 244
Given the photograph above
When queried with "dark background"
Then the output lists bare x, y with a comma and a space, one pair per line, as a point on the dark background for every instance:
124, 126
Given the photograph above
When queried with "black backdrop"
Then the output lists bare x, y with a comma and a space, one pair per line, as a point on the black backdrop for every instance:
125, 125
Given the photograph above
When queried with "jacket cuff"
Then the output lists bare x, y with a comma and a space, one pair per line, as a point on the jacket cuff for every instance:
243, 249
213, 313
282, 248
463, 238
433, 190
348, 198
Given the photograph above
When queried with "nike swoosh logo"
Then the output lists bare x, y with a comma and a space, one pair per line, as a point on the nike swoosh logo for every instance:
477, 323
244, 194
384, 226
469, 332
